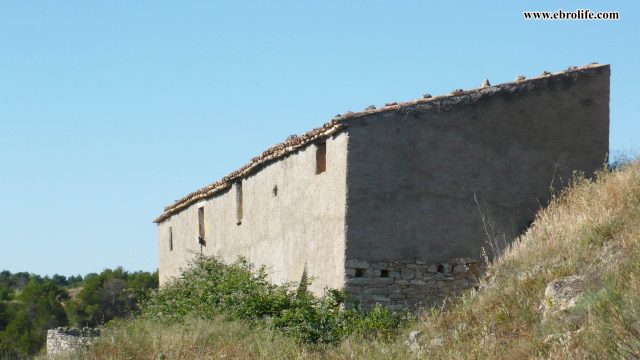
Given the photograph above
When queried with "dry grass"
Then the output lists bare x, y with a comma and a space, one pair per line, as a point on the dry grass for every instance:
592, 230
207, 339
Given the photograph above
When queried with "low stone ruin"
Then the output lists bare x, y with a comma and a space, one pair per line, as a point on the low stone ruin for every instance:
64, 340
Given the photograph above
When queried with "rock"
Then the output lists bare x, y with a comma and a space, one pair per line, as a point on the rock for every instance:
427, 96
357, 264
457, 92
525, 276
408, 274
561, 295
373, 273
379, 298
485, 83
391, 103
384, 281
462, 268
379, 266
412, 343
433, 268
435, 342
370, 107
520, 78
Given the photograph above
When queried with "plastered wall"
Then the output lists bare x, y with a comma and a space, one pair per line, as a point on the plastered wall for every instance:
300, 227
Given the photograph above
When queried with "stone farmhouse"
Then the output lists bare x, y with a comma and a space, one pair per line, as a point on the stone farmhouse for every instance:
396, 204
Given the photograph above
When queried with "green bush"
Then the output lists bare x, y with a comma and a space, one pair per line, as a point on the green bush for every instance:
237, 291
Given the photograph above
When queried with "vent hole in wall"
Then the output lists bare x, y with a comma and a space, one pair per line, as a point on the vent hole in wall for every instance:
275, 190
384, 273
359, 273
440, 268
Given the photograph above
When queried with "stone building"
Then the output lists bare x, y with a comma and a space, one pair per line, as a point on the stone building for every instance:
396, 204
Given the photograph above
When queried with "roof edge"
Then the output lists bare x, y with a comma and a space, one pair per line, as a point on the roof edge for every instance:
336, 125
292, 144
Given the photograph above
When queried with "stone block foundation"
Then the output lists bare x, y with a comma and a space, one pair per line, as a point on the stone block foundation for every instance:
404, 284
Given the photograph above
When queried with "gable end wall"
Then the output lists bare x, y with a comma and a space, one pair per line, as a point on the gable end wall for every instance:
421, 179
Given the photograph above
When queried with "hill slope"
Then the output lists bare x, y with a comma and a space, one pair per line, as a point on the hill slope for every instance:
591, 232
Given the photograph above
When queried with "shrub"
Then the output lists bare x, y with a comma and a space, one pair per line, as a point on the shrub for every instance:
236, 291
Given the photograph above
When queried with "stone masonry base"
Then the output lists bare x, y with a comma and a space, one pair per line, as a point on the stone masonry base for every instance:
405, 284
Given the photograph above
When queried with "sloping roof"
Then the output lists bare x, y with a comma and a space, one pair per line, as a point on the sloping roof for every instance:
340, 122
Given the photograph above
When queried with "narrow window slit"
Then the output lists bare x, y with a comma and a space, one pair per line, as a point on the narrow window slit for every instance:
239, 202
321, 158
201, 234
170, 238
384, 273
360, 272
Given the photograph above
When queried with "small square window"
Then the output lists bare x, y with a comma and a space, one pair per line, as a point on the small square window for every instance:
360, 272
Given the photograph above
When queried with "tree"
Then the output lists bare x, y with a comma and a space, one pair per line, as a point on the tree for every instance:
108, 295
38, 308
6, 293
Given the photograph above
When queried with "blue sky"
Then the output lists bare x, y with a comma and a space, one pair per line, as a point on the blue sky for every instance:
111, 110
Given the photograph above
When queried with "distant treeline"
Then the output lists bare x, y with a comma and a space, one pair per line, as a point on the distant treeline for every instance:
18, 281
30, 304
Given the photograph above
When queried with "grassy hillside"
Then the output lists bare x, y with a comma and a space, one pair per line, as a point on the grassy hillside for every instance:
591, 231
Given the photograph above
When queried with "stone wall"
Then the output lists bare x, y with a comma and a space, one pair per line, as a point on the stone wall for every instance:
64, 340
407, 283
